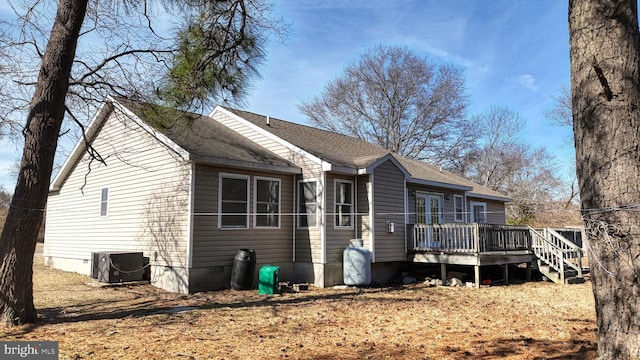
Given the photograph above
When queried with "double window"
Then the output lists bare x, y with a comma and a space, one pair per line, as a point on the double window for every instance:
234, 202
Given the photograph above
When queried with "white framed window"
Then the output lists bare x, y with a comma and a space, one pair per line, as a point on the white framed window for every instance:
458, 208
104, 202
478, 212
267, 202
343, 195
307, 203
233, 201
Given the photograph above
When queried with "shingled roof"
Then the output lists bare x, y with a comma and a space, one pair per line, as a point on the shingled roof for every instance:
347, 151
337, 149
205, 139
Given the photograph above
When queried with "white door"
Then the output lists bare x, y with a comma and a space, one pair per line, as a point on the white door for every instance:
428, 212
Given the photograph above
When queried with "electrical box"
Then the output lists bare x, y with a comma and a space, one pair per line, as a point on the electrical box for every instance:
113, 267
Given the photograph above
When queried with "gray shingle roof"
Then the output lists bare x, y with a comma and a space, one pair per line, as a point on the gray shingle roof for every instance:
342, 150
337, 149
205, 139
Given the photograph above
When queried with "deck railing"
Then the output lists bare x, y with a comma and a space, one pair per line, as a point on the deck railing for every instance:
469, 238
556, 251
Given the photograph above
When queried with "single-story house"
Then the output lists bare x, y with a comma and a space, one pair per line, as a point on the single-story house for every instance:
189, 191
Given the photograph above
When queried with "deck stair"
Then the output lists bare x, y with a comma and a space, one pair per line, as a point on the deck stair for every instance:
558, 259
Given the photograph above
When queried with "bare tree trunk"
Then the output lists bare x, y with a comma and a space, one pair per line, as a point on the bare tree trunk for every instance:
606, 116
46, 112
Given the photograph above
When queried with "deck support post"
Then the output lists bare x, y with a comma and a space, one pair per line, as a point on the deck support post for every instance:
505, 269
443, 273
476, 274
528, 271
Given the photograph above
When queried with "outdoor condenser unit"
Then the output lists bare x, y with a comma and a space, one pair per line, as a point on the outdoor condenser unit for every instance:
112, 267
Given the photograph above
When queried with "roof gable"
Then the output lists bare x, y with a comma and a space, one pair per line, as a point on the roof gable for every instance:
194, 137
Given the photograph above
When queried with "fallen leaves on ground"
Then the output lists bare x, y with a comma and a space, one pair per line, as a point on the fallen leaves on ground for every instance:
535, 320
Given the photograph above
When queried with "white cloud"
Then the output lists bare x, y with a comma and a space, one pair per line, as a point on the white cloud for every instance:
528, 81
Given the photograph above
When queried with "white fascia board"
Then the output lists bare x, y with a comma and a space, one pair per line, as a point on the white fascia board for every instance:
153, 132
489, 197
270, 135
342, 170
210, 160
78, 150
439, 184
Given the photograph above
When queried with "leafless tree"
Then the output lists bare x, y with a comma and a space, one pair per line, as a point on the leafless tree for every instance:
394, 98
504, 163
60, 59
561, 114
605, 89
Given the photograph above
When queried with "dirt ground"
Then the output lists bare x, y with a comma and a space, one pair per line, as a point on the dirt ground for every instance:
535, 320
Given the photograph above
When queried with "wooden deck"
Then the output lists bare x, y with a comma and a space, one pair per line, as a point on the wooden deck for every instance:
488, 244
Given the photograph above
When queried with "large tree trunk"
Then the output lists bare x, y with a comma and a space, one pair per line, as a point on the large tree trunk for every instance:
606, 116
46, 112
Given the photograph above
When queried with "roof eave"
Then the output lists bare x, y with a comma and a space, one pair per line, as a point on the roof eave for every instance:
439, 184
211, 160
489, 197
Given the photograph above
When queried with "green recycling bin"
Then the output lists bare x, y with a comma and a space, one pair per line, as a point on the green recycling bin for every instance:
268, 281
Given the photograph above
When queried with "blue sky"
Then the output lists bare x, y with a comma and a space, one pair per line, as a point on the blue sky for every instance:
514, 53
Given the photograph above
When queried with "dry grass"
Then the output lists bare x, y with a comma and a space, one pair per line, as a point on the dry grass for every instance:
529, 321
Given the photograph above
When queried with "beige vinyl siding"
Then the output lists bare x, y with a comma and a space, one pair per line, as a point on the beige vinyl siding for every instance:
495, 212
337, 239
213, 246
388, 197
147, 203
308, 166
364, 219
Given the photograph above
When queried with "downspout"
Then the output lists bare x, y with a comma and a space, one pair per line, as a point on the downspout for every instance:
355, 208
295, 216
372, 220
323, 225
406, 216
191, 207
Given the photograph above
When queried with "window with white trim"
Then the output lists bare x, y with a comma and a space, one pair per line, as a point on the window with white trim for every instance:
234, 201
458, 208
307, 204
478, 212
344, 204
267, 202
104, 202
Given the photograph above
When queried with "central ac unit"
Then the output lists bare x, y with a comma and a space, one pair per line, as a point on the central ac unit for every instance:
113, 267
